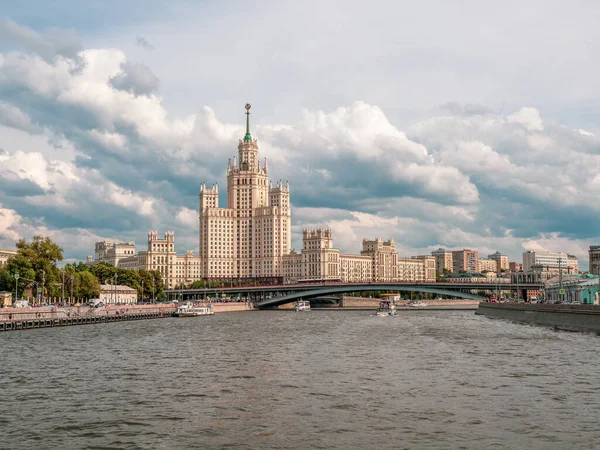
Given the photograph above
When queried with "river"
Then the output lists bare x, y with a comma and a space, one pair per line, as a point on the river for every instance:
286, 380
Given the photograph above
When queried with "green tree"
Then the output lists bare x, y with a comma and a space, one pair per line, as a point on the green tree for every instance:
88, 285
446, 271
21, 265
42, 254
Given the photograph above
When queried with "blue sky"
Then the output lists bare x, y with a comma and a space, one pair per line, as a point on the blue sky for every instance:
456, 125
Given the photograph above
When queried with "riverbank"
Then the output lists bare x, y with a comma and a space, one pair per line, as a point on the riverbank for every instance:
51, 316
562, 316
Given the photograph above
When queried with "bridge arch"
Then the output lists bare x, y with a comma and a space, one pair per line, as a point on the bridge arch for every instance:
305, 295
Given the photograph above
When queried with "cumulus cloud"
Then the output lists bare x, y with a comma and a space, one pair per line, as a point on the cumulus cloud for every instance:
55, 42
136, 78
187, 217
118, 162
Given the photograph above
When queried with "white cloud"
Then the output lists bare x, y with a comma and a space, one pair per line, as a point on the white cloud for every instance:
188, 217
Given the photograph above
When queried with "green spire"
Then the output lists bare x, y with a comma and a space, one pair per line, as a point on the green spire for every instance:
248, 138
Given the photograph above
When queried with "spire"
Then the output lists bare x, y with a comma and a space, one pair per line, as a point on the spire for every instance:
248, 138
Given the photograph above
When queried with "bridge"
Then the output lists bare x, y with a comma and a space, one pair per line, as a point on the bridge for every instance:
270, 296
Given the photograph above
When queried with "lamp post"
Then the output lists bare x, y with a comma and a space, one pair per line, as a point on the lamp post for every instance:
142, 291
72, 282
16, 281
62, 298
152, 288
43, 285
115, 288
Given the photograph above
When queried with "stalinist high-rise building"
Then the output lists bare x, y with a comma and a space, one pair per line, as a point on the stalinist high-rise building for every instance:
248, 238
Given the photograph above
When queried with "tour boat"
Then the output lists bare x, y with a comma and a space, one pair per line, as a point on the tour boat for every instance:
302, 305
386, 308
189, 309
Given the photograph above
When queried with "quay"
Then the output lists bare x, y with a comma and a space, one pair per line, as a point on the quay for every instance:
568, 317
55, 316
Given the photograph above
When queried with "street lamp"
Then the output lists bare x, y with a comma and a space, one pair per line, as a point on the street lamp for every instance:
72, 282
16, 280
115, 288
142, 291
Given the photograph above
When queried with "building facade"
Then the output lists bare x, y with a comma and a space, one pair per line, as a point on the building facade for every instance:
501, 260
5, 255
487, 265
112, 294
378, 262
594, 259
160, 255
443, 260
465, 260
111, 252
549, 261
249, 237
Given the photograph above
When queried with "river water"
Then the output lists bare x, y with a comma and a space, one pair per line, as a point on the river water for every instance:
319, 379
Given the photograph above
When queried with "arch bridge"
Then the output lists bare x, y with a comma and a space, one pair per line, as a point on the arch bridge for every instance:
269, 296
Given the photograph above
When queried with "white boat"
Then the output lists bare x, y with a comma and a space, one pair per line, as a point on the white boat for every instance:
418, 304
302, 305
387, 308
189, 309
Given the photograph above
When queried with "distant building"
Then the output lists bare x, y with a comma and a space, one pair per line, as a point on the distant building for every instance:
465, 260
573, 263
249, 238
384, 258
487, 265
429, 265
443, 259
594, 259
111, 252
160, 255
117, 294
5, 255
515, 266
501, 260
378, 262
549, 261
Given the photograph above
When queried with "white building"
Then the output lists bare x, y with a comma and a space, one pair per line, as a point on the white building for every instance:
548, 261
111, 252
117, 294
249, 238
5, 255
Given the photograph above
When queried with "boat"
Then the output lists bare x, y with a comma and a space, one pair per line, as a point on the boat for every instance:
189, 309
418, 304
387, 308
302, 305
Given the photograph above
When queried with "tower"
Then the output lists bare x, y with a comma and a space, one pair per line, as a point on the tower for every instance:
248, 238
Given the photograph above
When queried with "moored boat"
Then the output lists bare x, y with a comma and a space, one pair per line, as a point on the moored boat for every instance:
302, 305
418, 304
189, 309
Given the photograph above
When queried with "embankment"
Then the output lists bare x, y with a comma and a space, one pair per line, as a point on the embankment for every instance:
563, 317
53, 316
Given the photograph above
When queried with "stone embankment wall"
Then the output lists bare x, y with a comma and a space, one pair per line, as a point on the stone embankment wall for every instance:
362, 302
55, 312
231, 307
564, 317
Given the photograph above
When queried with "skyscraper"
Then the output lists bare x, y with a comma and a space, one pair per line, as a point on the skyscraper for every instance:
248, 238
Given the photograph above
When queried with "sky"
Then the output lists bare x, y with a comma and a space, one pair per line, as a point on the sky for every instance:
438, 124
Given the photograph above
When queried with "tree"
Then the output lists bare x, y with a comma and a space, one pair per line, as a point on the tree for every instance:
42, 254
446, 271
19, 264
88, 285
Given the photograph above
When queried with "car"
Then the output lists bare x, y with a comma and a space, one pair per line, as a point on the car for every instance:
99, 305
